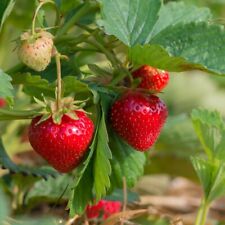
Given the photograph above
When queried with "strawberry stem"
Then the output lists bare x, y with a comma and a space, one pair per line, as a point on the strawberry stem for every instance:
36, 13
59, 80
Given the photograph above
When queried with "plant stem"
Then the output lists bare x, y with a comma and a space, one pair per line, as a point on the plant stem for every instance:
202, 213
36, 13
59, 81
108, 54
85, 9
112, 58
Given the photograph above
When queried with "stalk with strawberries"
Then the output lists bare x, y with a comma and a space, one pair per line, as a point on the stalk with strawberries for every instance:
90, 79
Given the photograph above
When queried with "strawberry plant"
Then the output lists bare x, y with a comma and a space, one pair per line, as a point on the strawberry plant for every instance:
87, 76
209, 128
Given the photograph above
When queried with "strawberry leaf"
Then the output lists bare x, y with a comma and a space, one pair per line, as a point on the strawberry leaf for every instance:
209, 128
200, 48
174, 13
9, 114
81, 194
6, 86
52, 190
96, 168
204, 170
72, 85
102, 167
126, 162
130, 21
34, 86
6, 163
84, 181
211, 175
5, 10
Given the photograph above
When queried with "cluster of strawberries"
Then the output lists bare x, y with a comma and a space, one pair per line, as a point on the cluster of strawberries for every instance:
103, 209
137, 116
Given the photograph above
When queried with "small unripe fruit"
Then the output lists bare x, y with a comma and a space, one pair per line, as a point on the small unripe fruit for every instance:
35, 51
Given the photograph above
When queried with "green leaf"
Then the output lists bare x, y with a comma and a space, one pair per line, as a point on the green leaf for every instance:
82, 192
102, 167
177, 12
52, 190
208, 127
158, 57
7, 163
218, 183
184, 47
6, 89
9, 114
204, 170
126, 162
211, 175
197, 43
34, 86
5, 10
130, 21
72, 85
84, 181
93, 174
4, 206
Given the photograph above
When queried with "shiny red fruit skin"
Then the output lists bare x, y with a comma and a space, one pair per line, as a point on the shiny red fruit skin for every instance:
2, 102
63, 145
103, 208
138, 119
151, 78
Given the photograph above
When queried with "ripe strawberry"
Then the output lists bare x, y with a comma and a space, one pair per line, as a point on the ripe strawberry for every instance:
2, 102
103, 209
151, 78
36, 51
138, 119
62, 145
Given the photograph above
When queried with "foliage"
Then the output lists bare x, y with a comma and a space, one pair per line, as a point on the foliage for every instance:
210, 130
103, 41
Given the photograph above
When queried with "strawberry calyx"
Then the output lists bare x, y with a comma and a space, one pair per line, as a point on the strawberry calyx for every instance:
67, 106
31, 38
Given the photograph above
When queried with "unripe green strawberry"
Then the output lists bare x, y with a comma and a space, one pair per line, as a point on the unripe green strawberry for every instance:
36, 50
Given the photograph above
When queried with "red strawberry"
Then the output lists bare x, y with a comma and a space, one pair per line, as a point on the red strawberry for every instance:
138, 119
2, 102
103, 208
62, 145
36, 51
151, 78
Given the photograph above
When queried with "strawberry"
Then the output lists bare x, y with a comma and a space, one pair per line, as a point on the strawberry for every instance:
151, 78
2, 102
62, 145
36, 50
138, 119
103, 209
